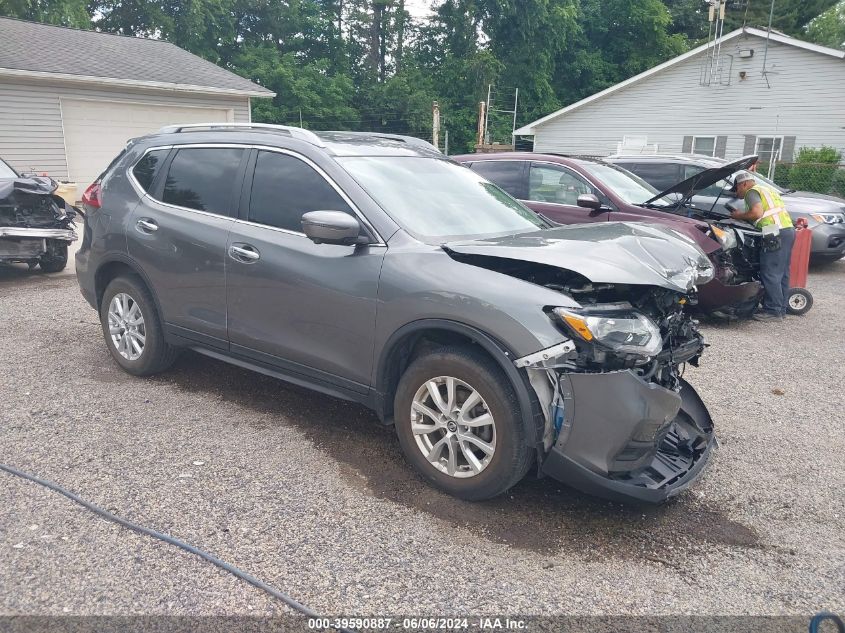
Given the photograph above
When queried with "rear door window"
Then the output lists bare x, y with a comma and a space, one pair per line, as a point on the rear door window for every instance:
203, 178
508, 174
146, 169
285, 187
661, 176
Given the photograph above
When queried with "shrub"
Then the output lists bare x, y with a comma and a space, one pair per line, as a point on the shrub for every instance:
782, 175
815, 169
839, 183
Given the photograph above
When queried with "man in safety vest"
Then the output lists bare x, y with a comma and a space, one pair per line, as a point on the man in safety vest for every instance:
765, 209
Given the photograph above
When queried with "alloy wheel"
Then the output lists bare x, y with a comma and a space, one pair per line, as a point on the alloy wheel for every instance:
453, 427
126, 326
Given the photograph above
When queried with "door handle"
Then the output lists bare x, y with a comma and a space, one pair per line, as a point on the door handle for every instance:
145, 225
244, 253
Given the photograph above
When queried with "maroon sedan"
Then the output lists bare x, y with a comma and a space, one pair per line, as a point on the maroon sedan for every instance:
569, 190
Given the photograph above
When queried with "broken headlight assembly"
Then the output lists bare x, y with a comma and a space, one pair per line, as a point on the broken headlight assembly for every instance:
620, 331
725, 237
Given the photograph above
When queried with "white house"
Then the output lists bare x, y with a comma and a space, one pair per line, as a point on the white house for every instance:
70, 99
727, 107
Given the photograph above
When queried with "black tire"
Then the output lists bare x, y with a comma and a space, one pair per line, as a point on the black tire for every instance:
799, 301
157, 355
512, 457
55, 259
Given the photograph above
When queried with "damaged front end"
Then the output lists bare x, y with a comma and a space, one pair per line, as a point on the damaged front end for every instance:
620, 420
35, 224
736, 289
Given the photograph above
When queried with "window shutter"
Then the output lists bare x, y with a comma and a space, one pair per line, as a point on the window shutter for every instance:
787, 152
721, 146
687, 148
750, 143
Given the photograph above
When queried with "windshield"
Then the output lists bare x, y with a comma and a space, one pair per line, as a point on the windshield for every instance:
437, 199
630, 187
6, 171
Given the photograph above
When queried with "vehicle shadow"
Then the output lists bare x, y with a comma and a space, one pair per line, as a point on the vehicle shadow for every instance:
540, 515
21, 274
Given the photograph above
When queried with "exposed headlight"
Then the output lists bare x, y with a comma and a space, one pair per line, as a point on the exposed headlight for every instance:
828, 218
622, 331
726, 237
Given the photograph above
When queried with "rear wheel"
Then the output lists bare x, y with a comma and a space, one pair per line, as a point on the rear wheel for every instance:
132, 328
55, 259
799, 301
459, 424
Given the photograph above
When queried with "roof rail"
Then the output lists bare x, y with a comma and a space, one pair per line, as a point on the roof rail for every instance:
295, 132
410, 140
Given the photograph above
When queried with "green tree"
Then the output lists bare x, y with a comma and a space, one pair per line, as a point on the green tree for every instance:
62, 12
611, 48
789, 17
828, 29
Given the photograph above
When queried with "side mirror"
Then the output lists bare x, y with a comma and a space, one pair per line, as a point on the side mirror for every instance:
589, 201
332, 227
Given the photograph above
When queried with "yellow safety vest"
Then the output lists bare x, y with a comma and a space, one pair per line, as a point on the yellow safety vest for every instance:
774, 210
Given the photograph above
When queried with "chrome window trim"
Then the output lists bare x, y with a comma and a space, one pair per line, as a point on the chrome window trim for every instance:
355, 210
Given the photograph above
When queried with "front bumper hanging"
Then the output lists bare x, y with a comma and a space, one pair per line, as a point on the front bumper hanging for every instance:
629, 440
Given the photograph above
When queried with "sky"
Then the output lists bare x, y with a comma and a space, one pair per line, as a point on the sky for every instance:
418, 8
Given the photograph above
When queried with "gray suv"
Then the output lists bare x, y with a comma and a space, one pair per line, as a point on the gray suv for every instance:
824, 214
373, 269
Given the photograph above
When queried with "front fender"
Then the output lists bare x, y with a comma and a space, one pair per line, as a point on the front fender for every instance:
529, 407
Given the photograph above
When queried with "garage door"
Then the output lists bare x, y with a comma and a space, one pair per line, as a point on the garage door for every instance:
96, 131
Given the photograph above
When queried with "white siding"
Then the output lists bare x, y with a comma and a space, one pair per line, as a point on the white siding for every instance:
31, 135
805, 100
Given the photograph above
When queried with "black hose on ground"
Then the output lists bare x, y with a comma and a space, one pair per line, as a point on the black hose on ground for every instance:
238, 573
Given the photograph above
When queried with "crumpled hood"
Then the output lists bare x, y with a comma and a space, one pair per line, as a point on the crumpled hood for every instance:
605, 252
38, 185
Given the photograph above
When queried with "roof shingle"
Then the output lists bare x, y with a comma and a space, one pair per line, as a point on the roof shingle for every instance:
44, 48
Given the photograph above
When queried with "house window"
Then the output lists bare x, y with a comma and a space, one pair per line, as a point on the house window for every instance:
704, 145
768, 148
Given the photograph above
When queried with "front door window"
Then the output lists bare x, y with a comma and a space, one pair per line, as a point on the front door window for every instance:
556, 185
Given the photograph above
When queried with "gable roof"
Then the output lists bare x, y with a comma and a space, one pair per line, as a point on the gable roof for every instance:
30, 49
527, 130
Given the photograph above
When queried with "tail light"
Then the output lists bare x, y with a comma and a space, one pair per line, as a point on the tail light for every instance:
91, 197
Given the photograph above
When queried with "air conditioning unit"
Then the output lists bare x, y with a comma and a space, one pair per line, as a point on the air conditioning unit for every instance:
635, 145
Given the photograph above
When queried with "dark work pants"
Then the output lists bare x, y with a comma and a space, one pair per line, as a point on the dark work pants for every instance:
774, 273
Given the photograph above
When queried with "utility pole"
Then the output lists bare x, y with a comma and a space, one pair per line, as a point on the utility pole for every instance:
435, 124
487, 114
400, 35
446, 141
482, 117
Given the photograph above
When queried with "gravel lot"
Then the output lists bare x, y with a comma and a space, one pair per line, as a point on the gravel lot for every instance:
312, 496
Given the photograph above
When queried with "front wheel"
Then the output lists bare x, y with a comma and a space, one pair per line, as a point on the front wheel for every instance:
799, 301
459, 424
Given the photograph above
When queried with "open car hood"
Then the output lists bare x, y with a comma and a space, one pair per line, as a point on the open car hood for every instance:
692, 185
604, 252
